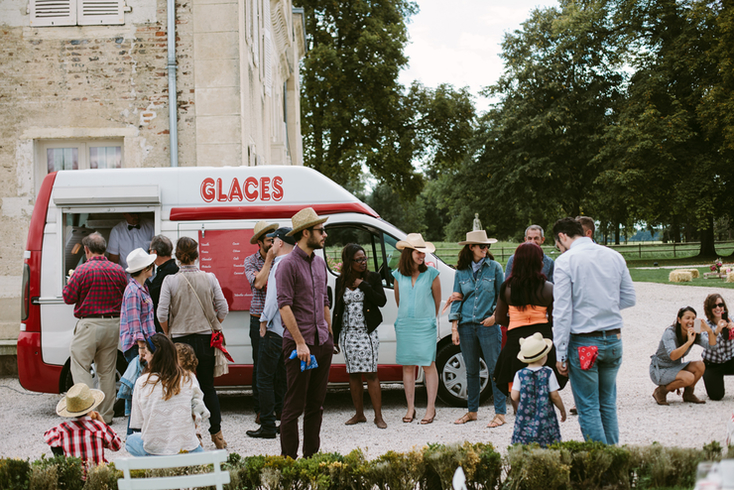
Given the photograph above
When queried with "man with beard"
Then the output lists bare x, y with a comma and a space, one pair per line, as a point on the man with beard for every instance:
257, 270
304, 309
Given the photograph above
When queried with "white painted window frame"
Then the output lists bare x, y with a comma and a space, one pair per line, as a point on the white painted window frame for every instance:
58, 13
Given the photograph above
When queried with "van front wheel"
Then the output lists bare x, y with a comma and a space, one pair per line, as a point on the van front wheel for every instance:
452, 387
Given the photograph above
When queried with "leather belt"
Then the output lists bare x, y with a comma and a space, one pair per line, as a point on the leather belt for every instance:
101, 316
599, 333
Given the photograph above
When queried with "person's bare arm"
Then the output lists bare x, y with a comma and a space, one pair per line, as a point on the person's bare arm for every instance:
556, 399
397, 294
436, 289
164, 327
515, 398
261, 279
289, 320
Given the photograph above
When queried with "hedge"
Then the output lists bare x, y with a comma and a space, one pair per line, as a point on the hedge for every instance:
567, 465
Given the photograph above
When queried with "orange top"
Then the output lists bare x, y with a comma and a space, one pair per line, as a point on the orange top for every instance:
531, 315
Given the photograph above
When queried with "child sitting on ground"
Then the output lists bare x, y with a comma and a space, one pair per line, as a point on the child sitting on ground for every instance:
188, 362
533, 390
86, 436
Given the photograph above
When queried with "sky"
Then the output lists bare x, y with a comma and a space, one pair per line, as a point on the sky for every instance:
459, 41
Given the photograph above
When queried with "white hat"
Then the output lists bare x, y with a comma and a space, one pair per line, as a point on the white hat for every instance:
138, 259
305, 218
416, 242
478, 238
79, 400
262, 227
533, 348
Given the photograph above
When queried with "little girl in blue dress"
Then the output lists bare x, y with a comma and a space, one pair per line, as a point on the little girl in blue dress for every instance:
534, 392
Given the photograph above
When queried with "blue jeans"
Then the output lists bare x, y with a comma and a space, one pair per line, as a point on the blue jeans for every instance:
472, 338
270, 379
595, 389
255, 342
134, 445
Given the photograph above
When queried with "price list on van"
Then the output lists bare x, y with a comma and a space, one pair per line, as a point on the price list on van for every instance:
223, 253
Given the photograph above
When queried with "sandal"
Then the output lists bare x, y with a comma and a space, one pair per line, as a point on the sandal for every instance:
427, 420
407, 419
497, 421
467, 417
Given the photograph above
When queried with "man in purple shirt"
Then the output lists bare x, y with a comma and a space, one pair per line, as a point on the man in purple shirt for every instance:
304, 310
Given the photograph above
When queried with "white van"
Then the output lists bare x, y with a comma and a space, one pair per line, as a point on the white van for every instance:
218, 207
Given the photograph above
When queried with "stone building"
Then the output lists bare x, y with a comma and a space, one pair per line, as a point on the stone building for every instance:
85, 84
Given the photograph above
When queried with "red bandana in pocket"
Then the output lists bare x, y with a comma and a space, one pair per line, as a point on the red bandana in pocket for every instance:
587, 356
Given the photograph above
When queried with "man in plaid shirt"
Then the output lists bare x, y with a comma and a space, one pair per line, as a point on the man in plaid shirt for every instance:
86, 436
96, 288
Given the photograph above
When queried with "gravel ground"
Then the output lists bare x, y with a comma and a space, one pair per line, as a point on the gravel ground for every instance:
24, 416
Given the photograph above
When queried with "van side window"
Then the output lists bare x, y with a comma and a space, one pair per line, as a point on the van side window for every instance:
380, 248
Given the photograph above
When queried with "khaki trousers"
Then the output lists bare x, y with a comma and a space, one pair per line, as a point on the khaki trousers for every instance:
95, 340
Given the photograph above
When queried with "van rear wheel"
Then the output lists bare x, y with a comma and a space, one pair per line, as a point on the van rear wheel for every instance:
121, 365
452, 384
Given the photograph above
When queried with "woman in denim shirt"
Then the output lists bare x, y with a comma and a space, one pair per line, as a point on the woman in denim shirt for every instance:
477, 280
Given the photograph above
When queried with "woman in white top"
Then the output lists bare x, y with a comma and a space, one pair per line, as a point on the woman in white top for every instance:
165, 400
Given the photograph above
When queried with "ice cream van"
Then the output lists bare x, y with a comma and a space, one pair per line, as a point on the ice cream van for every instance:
219, 208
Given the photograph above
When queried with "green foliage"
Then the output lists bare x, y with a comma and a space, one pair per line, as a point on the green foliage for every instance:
57, 472
657, 466
531, 467
596, 465
102, 477
15, 473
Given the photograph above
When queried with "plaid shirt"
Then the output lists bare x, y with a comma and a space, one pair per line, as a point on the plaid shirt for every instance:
254, 264
84, 438
96, 288
136, 315
722, 351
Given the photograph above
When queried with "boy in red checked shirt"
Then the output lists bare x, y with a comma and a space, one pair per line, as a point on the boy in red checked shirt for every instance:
86, 436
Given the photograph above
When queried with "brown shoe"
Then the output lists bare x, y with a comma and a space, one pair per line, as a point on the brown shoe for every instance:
689, 396
660, 394
218, 440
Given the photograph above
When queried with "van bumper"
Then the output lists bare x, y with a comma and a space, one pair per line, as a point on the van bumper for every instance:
33, 373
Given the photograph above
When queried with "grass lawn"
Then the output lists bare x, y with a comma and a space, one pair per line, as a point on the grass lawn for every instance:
661, 276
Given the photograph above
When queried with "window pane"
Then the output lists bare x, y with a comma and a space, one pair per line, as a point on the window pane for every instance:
62, 159
105, 157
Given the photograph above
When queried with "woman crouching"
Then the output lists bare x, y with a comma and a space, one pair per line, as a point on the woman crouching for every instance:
667, 369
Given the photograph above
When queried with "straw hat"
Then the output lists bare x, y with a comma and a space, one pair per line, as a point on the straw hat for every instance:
79, 400
138, 259
261, 228
416, 242
478, 238
533, 348
305, 218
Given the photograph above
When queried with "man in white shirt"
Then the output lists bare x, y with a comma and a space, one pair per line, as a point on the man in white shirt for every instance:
134, 232
592, 286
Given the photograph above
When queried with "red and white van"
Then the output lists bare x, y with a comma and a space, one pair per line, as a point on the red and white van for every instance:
219, 208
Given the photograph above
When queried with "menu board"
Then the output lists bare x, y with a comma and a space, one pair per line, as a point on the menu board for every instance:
223, 253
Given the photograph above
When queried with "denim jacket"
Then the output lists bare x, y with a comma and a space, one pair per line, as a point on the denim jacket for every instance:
480, 294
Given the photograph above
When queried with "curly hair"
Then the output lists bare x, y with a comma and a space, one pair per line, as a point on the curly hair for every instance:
186, 250
186, 357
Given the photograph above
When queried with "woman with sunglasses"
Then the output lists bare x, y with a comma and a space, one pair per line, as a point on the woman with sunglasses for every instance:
667, 369
473, 325
719, 358
525, 305
359, 296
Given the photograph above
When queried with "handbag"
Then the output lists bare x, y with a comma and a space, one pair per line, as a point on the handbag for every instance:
221, 356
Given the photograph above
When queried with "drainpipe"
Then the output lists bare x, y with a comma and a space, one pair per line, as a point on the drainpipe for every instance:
172, 103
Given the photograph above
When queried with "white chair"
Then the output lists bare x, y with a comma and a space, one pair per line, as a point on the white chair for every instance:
218, 478
459, 482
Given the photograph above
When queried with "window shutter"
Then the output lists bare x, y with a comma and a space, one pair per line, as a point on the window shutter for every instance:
255, 32
53, 13
101, 12
268, 63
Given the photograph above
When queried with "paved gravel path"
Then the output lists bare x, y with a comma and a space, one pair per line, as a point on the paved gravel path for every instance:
24, 416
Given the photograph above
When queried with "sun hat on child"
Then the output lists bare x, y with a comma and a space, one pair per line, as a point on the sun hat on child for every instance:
416, 242
305, 218
478, 238
534, 348
139, 259
262, 227
79, 400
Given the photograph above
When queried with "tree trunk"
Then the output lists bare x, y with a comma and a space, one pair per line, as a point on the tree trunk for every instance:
708, 248
616, 233
675, 230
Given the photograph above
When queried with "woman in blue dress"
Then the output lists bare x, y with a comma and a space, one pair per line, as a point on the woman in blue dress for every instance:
418, 295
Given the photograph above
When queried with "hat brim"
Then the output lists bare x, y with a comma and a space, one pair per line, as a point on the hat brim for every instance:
63, 412
151, 259
267, 229
428, 249
306, 225
537, 357
489, 241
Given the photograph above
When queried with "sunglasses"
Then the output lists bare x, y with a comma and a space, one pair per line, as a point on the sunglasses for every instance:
320, 230
362, 260
719, 305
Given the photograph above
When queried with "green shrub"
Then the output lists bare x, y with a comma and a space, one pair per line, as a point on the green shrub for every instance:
657, 466
596, 465
481, 464
15, 473
396, 471
59, 472
534, 468
102, 477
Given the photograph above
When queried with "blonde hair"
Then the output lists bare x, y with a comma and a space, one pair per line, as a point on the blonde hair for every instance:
186, 357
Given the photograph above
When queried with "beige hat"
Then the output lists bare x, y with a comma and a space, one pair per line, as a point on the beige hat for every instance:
79, 400
533, 348
138, 259
261, 228
305, 218
478, 238
416, 242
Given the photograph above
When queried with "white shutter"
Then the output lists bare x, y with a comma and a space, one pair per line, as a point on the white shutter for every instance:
53, 13
268, 63
101, 12
255, 32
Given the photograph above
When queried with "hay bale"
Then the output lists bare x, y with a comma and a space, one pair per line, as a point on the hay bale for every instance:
730, 276
695, 272
680, 275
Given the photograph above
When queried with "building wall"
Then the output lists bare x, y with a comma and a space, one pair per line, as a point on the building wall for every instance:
95, 83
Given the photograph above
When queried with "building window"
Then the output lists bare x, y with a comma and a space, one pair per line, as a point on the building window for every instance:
55, 155
47, 13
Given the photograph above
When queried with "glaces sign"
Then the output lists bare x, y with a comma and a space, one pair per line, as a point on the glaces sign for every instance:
249, 189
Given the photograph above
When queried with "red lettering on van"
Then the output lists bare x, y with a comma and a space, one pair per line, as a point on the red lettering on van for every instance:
221, 197
207, 189
277, 194
265, 188
235, 192
250, 182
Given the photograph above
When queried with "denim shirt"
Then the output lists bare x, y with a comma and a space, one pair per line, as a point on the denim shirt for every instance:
480, 294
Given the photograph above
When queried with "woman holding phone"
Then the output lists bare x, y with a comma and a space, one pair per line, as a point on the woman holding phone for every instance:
719, 358
666, 367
